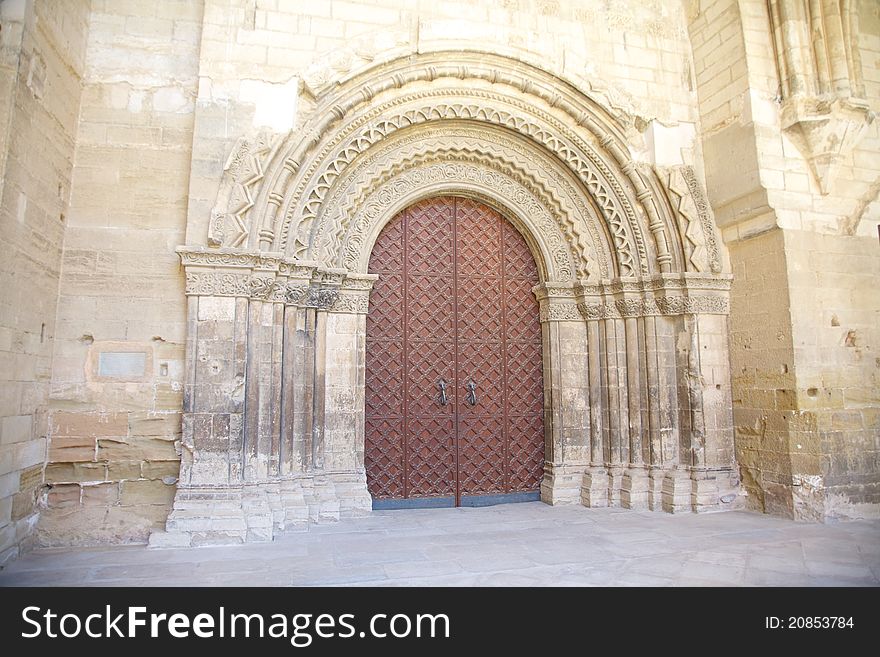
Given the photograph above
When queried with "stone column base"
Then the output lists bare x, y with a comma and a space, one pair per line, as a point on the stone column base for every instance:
252, 513
204, 516
676, 491
655, 488
615, 483
713, 489
355, 500
594, 490
634, 488
562, 483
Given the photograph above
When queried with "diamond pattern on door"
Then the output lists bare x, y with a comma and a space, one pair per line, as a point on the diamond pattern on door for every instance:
430, 239
482, 363
525, 389
430, 308
430, 457
479, 308
384, 379
453, 303
481, 455
427, 364
384, 457
478, 241
526, 463
386, 307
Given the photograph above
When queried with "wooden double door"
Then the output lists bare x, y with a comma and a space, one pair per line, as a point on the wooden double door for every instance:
454, 375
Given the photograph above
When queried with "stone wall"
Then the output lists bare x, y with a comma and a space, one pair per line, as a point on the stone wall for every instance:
793, 174
168, 91
117, 390
42, 52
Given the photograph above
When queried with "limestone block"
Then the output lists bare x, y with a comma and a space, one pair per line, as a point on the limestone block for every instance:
75, 472
63, 496
68, 449
136, 448
119, 470
160, 470
146, 491
105, 494
154, 424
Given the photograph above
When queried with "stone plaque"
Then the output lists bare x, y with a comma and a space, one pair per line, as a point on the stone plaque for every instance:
122, 364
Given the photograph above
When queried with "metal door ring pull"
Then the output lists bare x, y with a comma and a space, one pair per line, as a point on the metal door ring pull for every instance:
444, 400
472, 393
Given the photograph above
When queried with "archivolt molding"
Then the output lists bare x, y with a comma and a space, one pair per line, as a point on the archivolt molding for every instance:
575, 218
695, 219
308, 195
607, 188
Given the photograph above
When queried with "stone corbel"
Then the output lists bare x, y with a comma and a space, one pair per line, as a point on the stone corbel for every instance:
825, 129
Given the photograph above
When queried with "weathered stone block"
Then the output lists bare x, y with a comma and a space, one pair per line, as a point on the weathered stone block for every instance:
160, 469
154, 424
104, 494
119, 470
146, 491
31, 477
23, 504
136, 448
67, 449
75, 472
66, 424
63, 496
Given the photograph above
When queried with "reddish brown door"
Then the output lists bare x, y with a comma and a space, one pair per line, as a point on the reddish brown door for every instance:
453, 308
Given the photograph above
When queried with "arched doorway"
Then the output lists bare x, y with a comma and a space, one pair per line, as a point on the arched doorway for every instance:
454, 381
632, 300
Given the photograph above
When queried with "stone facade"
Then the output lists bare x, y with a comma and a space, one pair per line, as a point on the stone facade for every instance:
196, 238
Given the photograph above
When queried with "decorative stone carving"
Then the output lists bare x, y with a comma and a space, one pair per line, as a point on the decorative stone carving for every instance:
321, 298
408, 161
214, 283
262, 287
821, 86
826, 131
679, 305
358, 303
489, 108
695, 219
559, 312
387, 196
230, 221
293, 294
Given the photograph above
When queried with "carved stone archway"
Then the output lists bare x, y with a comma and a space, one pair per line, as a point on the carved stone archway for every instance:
633, 298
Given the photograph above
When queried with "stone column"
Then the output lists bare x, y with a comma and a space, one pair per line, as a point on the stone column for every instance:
714, 480
344, 395
566, 394
208, 503
634, 484
594, 489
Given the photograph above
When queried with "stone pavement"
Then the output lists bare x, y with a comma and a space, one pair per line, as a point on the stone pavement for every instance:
528, 544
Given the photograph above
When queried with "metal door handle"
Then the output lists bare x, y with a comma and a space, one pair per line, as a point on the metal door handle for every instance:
442, 385
472, 393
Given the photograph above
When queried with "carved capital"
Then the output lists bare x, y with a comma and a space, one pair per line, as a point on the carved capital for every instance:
351, 302
321, 298
559, 312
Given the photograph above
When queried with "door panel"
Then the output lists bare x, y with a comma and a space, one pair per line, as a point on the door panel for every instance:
454, 302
